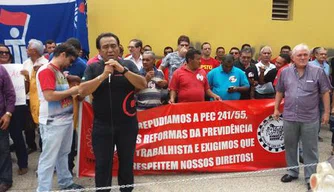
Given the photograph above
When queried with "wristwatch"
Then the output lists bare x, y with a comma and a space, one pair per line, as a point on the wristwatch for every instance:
125, 70
9, 114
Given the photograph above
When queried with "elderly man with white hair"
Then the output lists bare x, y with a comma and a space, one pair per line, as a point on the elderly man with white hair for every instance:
302, 85
36, 59
264, 89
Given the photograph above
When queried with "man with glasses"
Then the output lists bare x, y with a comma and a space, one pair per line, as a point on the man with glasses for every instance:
167, 50
220, 52
320, 60
235, 52
135, 47
174, 60
207, 63
244, 63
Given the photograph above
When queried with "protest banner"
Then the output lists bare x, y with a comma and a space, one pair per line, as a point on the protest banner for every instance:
228, 136
14, 71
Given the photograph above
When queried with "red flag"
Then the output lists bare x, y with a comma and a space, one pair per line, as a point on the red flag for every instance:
13, 18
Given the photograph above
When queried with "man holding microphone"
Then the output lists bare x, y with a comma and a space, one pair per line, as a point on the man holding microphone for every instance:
112, 83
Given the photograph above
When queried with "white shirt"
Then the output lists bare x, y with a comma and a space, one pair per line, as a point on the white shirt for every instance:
138, 63
29, 65
266, 88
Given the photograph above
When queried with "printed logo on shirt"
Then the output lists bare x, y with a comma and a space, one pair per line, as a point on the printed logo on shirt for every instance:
206, 67
65, 102
250, 75
199, 77
270, 134
232, 79
151, 85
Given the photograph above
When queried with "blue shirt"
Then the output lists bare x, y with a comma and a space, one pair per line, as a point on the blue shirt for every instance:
324, 66
220, 81
77, 68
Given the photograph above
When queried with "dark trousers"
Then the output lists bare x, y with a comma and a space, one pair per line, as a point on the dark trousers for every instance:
264, 96
40, 143
124, 137
331, 127
17, 123
73, 153
29, 130
6, 173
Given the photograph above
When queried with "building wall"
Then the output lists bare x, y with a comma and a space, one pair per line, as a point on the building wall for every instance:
224, 23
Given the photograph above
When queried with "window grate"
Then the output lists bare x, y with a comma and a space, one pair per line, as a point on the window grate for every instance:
281, 10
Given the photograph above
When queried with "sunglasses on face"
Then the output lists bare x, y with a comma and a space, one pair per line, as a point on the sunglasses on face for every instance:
4, 52
234, 53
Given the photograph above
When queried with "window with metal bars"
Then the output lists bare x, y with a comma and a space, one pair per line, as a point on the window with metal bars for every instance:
281, 10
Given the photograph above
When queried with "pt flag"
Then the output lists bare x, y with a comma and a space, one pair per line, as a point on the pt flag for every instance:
58, 20
228, 136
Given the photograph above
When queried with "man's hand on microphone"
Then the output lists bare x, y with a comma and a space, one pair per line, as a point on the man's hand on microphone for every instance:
116, 65
108, 69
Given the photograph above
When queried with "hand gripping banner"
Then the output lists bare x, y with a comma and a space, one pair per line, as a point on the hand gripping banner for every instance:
228, 136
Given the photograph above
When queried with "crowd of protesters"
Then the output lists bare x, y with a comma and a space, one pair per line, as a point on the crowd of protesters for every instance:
58, 77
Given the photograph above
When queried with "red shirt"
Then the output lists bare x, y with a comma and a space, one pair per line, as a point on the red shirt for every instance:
48, 78
158, 63
93, 60
279, 74
209, 64
166, 71
190, 86
273, 61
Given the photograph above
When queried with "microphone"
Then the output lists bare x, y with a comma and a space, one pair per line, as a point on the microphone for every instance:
118, 60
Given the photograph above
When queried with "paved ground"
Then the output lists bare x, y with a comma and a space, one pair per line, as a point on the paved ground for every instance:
260, 182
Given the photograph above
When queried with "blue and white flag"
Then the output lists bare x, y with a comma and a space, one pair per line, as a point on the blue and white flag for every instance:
22, 20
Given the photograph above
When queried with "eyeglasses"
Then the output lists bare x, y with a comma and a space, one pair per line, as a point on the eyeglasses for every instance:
234, 53
4, 52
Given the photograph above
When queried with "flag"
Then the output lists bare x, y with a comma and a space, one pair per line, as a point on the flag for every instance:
58, 20
12, 18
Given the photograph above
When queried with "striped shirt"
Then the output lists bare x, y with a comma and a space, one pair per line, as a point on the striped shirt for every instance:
151, 96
